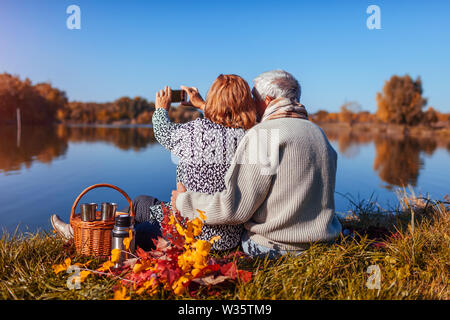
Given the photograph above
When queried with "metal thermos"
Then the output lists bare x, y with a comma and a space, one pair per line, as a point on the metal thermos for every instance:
123, 225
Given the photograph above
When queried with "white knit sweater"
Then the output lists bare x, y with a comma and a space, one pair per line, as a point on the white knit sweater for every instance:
286, 210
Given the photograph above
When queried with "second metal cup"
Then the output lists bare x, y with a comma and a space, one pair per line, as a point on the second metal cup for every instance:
88, 211
108, 211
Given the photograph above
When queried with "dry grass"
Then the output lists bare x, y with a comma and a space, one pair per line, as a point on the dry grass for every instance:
414, 263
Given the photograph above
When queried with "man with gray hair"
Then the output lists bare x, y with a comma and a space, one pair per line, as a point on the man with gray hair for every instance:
287, 210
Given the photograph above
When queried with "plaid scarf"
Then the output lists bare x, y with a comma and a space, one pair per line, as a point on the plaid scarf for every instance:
284, 108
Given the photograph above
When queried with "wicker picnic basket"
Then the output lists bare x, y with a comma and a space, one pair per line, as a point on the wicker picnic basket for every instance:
94, 238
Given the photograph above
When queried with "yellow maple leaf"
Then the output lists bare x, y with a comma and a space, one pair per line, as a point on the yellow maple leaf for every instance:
195, 272
146, 286
127, 240
57, 268
202, 247
106, 266
214, 239
115, 255
178, 287
83, 275
121, 293
196, 225
201, 214
180, 229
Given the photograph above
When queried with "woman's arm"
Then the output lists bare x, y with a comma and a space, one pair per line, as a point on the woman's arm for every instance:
173, 136
165, 130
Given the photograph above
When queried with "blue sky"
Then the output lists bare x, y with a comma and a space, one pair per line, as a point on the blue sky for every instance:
134, 48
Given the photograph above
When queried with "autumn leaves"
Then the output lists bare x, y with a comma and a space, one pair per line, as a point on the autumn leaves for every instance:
179, 264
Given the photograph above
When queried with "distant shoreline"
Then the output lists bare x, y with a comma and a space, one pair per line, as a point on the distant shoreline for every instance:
418, 131
105, 125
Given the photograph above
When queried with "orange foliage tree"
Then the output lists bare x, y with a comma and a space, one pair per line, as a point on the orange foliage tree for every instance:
430, 116
320, 116
345, 115
38, 104
401, 101
55, 98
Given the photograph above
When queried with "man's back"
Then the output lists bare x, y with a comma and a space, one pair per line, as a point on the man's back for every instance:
299, 207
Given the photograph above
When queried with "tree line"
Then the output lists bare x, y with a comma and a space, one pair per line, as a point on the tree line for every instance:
44, 104
399, 102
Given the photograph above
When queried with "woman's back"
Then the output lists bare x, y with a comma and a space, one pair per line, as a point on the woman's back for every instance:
205, 150
205, 147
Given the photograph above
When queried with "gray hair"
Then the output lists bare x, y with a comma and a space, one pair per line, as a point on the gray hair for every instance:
277, 84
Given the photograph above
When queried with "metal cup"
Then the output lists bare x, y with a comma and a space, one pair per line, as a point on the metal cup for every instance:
88, 211
108, 211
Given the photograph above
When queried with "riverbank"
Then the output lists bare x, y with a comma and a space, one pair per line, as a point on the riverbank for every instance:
408, 249
439, 130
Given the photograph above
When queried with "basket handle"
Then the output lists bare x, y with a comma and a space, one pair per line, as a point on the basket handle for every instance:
100, 185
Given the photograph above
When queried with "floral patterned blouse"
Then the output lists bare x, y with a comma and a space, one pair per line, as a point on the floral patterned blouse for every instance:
205, 150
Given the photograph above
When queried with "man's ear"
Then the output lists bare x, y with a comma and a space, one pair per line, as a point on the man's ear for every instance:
268, 100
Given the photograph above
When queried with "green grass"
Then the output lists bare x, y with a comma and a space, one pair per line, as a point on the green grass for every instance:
414, 264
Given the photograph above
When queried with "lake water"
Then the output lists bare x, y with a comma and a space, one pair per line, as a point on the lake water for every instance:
46, 168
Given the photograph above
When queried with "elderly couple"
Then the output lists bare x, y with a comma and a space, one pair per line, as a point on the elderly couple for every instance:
223, 166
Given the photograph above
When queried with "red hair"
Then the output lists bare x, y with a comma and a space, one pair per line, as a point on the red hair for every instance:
230, 103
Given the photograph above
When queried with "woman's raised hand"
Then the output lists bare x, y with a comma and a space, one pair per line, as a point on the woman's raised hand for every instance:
163, 98
195, 99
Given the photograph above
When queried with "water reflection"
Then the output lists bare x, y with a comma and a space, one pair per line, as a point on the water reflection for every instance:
124, 138
35, 144
349, 141
398, 159
46, 143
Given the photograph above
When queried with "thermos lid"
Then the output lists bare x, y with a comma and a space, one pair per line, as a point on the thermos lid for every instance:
123, 220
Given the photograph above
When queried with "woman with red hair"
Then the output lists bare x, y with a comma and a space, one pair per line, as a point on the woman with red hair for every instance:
204, 146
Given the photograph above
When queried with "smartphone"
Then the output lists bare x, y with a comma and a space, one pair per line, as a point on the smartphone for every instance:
178, 96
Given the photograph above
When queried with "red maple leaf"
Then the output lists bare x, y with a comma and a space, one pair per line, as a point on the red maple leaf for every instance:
230, 269
245, 276
212, 268
141, 253
167, 271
